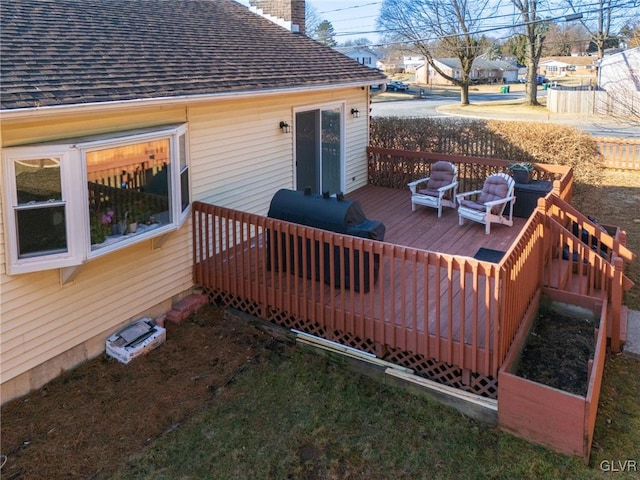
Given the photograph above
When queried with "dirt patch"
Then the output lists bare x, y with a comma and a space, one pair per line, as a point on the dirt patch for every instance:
88, 421
558, 351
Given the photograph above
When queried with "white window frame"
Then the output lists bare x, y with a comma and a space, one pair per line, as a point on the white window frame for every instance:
73, 173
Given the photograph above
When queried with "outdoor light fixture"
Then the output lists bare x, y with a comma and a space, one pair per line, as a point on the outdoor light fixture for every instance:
284, 127
355, 113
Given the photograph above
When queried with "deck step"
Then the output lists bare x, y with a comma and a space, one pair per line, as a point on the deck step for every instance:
624, 318
557, 275
578, 284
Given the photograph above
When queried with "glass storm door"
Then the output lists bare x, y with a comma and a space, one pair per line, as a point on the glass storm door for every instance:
319, 150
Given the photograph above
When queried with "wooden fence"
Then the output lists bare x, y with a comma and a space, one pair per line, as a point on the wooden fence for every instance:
593, 102
620, 153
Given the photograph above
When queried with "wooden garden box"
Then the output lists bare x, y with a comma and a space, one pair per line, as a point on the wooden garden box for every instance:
548, 416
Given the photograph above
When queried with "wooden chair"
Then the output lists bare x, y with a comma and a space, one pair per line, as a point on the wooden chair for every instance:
489, 206
438, 190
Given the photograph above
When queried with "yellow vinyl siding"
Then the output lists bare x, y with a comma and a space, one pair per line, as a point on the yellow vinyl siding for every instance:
2, 242
252, 158
23, 132
238, 158
106, 292
357, 138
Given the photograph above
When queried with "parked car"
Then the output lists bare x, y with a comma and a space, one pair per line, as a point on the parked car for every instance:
540, 79
396, 86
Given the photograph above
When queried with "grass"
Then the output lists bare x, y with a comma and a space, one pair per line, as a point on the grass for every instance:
616, 202
300, 416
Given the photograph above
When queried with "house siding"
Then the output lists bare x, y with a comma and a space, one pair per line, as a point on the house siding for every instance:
238, 158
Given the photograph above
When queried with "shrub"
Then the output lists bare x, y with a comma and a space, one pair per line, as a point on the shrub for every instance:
512, 141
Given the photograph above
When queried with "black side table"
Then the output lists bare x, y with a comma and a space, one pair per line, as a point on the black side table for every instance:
527, 195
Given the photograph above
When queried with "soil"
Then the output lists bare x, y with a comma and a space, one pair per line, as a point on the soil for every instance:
558, 350
76, 425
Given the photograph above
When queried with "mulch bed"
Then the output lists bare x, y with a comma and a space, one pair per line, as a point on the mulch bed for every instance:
87, 422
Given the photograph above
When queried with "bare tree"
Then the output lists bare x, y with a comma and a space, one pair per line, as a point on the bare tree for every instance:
630, 33
357, 41
565, 40
600, 17
452, 25
535, 29
311, 20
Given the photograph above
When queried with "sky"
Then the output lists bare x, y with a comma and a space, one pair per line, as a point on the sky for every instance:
351, 19
348, 17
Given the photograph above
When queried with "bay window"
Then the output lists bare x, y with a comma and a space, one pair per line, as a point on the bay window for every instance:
70, 201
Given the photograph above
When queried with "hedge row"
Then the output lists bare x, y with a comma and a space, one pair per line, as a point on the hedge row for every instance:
509, 140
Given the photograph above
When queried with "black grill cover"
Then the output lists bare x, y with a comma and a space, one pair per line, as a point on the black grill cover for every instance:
315, 211
333, 214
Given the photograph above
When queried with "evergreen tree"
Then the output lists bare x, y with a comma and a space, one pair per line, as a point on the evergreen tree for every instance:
325, 34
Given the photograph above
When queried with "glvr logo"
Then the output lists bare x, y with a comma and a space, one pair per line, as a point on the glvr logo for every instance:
619, 466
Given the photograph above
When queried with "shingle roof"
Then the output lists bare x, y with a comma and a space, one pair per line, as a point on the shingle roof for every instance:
67, 52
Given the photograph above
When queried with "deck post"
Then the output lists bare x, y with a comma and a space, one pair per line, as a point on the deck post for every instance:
616, 302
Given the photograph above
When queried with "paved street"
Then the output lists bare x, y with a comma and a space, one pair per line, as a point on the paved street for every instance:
449, 106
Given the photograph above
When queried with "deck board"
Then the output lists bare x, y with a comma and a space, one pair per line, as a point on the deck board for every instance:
424, 230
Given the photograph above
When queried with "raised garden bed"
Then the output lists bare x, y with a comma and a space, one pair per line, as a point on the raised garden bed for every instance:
549, 384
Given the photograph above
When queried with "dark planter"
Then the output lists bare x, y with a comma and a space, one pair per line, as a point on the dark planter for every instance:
521, 175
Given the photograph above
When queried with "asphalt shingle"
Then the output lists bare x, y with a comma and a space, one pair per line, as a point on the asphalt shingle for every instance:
65, 52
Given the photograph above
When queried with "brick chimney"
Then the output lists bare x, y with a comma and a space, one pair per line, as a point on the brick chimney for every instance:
286, 13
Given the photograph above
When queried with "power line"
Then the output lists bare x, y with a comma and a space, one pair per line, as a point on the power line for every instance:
568, 17
545, 11
351, 8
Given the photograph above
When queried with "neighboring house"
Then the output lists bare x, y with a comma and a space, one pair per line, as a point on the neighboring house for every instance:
360, 54
620, 72
567, 66
411, 63
402, 64
391, 64
617, 93
115, 110
482, 71
619, 77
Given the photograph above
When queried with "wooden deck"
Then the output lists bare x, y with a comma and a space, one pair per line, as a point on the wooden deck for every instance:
431, 305
429, 295
424, 230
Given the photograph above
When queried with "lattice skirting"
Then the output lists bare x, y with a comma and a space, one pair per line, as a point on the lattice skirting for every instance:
486, 386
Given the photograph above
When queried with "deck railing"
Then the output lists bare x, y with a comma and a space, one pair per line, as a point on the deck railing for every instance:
383, 295
378, 296
521, 279
396, 168
589, 258
452, 309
